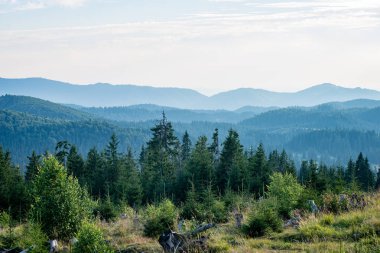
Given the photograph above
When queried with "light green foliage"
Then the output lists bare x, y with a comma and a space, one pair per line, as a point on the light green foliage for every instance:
90, 240
33, 238
159, 218
287, 191
59, 203
5, 219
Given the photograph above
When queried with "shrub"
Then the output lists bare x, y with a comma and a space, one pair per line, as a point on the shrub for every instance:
33, 238
219, 212
287, 190
106, 210
90, 239
59, 203
159, 218
5, 219
263, 219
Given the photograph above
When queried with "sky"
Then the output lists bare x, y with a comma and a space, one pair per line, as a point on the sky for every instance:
206, 45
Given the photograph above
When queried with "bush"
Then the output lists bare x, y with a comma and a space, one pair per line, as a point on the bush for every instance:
159, 218
287, 190
264, 219
218, 212
5, 219
33, 238
106, 210
59, 203
90, 239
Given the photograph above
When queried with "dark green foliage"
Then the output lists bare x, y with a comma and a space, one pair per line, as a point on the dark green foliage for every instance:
263, 219
75, 164
365, 176
199, 169
260, 171
13, 195
231, 168
161, 157
32, 167
160, 218
378, 180
128, 185
185, 147
105, 210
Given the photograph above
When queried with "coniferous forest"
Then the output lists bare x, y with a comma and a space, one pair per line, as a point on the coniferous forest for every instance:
178, 185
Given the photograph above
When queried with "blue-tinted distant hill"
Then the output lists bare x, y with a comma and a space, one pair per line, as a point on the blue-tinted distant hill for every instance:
100, 94
41, 108
107, 95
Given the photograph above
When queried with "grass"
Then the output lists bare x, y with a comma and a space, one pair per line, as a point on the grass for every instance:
352, 232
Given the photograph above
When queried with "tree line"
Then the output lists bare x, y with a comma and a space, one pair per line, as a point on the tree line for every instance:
178, 170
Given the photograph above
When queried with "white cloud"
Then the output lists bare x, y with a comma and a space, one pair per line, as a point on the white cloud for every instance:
24, 5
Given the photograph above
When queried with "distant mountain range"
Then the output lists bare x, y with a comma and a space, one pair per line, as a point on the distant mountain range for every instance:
96, 95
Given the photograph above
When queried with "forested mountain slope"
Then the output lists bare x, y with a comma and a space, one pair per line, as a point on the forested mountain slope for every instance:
325, 132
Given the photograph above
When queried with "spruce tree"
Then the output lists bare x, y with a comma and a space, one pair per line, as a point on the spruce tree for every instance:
228, 173
32, 167
260, 171
75, 164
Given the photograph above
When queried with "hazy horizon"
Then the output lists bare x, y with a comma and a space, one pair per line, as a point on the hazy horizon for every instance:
206, 45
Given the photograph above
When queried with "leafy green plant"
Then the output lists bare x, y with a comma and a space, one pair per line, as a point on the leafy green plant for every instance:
263, 219
59, 203
33, 238
90, 240
287, 190
159, 218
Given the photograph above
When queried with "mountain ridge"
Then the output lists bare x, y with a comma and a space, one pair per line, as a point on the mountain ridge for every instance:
108, 95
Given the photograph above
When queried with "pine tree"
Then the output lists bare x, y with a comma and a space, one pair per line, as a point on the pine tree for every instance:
32, 167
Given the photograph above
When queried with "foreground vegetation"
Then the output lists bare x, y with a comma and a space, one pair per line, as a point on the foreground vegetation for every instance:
110, 203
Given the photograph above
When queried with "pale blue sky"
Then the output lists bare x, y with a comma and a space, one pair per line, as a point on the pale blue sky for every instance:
207, 45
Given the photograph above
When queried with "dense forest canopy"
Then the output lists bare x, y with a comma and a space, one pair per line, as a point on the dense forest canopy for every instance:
331, 133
